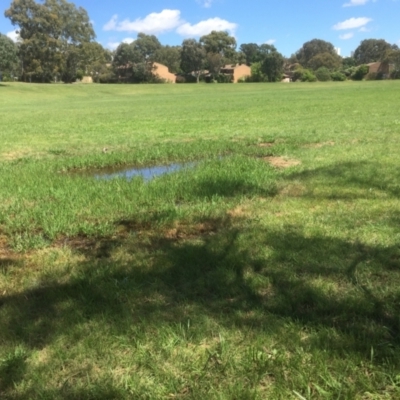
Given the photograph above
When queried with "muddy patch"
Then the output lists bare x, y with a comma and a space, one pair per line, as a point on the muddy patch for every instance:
281, 162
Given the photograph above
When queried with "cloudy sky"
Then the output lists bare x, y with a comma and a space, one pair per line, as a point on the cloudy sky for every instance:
285, 23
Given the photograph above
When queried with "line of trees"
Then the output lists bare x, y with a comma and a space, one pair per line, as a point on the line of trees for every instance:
57, 43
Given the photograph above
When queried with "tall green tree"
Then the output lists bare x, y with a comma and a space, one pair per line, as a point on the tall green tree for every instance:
371, 50
93, 58
251, 52
327, 60
392, 57
134, 62
193, 57
272, 65
50, 33
123, 60
313, 48
220, 42
8, 55
145, 47
169, 56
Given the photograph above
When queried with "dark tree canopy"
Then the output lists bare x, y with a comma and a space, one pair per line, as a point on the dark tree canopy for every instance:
169, 56
193, 57
220, 42
50, 33
8, 54
313, 48
327, 60
134, 62
251, 52
272, 64
145, 47
371, 50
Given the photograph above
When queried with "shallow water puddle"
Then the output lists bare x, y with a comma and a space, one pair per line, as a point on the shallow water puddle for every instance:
147, 173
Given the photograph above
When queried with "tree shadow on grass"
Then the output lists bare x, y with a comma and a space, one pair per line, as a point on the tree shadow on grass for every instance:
216, 273
347, 179
236, 272
12, 369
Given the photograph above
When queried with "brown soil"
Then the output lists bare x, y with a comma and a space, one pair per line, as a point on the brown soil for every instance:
281, 162
7, 257
237, 212
266, 144
319, 145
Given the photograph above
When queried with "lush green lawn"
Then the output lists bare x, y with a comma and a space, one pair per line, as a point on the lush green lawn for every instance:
235, 279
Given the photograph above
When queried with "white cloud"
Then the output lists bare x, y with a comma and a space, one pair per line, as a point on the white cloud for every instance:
128, 40
153, 23
346, 36
206, 26
112, 45
111, 24
355, 3
13, 35
352, 23
205, 3
270, 41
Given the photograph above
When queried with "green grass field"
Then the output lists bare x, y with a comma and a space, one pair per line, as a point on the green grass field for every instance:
270, 270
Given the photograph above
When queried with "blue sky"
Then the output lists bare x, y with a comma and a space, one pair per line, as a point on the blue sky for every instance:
285, 23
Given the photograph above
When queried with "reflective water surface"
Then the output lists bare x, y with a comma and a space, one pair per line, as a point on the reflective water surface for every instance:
147, 173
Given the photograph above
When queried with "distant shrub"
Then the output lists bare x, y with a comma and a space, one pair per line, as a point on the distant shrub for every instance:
348, 72
256, 73
395, 74
303, 75
338, 76
244, 79
186, 79
360, 73
106, 77
323, 74
374, 76
224, 78
180, 79
6, 77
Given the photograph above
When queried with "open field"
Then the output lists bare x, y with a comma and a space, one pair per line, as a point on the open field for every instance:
270, 270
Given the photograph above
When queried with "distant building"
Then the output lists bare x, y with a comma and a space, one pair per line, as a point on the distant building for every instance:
237, 71
338, 50
87, 79
380, 68
162, 72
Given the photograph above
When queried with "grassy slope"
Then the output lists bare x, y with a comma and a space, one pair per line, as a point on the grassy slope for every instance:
232, 280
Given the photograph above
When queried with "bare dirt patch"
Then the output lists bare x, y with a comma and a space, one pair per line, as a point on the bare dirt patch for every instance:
7, 257
281, 162
319, 145
266, 144
182, 231
13, 155
237, 212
